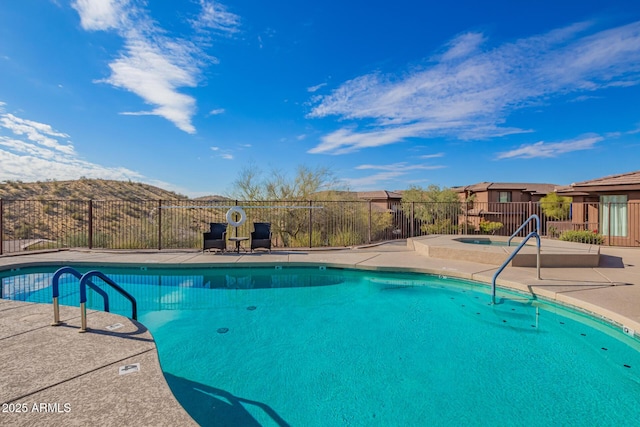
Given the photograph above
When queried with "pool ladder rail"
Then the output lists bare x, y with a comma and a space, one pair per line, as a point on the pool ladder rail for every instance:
85, 280
535, 234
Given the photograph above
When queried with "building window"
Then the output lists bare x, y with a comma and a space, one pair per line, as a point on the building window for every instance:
504, 197
613, 215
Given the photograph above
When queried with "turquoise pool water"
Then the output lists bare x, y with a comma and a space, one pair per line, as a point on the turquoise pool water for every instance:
486, 241
312, 347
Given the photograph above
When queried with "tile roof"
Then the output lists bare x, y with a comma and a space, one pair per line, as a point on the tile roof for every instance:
380, 194
535, 188
366, 195
629, 178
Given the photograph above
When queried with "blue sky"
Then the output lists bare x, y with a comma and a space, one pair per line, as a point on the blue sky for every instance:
186, 94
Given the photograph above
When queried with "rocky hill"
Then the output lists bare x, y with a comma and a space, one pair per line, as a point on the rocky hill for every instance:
98, 213
84, 189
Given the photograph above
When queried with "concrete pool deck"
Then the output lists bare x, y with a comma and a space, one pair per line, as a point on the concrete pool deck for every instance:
81, 377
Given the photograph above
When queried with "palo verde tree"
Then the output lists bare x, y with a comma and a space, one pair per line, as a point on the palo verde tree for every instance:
555, 206
287, 223
338, 218
252, 185
435, 208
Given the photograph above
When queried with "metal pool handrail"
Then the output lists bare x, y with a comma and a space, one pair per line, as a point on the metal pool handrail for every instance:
84, 281
532, 217
513, 254
55, 284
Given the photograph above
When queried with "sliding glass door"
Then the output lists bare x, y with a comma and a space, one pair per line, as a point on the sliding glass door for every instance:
613, 215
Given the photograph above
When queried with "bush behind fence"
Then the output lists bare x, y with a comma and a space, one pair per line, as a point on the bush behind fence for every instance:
162, 224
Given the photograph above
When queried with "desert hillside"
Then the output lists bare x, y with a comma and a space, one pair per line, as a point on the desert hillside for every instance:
97, 213
84, 189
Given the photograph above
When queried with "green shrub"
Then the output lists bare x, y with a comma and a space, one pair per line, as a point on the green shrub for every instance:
144, 242
440, 226
80, 239
24, 231
301, 240
48, 208
582, 236
77, 216
380, 223
469, 229
76, 239
42, 245
345, 238
490, 227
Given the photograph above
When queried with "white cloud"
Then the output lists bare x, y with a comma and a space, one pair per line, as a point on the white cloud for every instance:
469, 91
226, 154
554, 149
39, 133
347, 140
216, 111
101, 15
34, 167
402, 166
36, 151
432, 156
583, 98
22, 147
316, 87
372, 181
153, 65
388, 173
215, 16
462, 46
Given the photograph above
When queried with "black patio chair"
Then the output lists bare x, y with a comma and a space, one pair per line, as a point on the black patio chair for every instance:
216, 237
261, 236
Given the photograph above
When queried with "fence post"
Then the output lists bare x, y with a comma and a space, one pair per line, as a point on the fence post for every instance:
90, 238
369, 239
466, 219
310, 223
411, 228
236, 228
160, 224
609, 224
1, 230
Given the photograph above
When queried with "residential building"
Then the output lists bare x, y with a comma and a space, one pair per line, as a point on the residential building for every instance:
381, 200
507, 203
609, 205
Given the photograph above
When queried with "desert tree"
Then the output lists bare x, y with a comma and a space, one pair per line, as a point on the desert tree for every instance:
436, 209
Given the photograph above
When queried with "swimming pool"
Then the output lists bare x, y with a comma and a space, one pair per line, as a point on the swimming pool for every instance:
311, 346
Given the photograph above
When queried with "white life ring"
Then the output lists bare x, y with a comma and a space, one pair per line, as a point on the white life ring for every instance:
238, 210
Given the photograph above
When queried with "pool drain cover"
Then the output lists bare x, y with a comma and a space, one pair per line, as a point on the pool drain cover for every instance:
129, 369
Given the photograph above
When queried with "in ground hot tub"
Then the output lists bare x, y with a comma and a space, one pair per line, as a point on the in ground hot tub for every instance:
485, 241
494, 250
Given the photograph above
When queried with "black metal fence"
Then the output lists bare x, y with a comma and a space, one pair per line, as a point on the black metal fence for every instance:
179, 224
